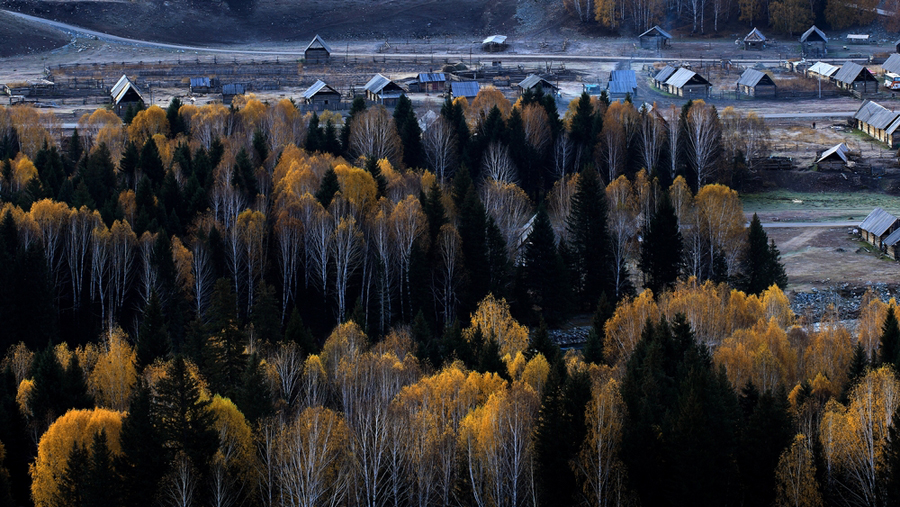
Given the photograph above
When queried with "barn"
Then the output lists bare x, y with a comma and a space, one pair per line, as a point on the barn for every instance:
494, 43
321, 96
878, 226
124, 95
382, 90
230, 91
813, 41
533, 81
755, 40
835, 158
317, 51
878, 122
467, 89
687, 83
429, 82
655, 38
756, 84
854, 76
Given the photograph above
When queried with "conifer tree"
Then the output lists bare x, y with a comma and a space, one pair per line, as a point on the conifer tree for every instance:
153, 335
328, 187
142, 463
589, 240
661, 248
410, 133
373, 169
760, 266
254, 397
890, 339
313, 135
101, 485
358, 106
71, 488
298, 333
151, 164
261, 147
544, 270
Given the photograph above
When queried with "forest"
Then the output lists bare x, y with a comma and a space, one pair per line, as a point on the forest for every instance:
214, 306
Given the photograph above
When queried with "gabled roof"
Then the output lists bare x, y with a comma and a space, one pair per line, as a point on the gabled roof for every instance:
892, 239
892, 64
464, 88
437, 77
815, 33
665, 74
317, 43
753, 77
233, 89
857, 36
317, 87
878, 222
200, 81
851, 71
656, 30
755, 36
624, 76
533, 80
495, 39
380, 84
876, 115
121, 88
619, 87
683, 76
840, 150
823, 69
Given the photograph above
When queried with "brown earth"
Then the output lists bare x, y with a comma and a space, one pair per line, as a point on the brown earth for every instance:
23, 37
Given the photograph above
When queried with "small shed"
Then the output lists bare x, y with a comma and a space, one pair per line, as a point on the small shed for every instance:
854, 76
659, 80
755, 40
383, 91
655, 38
756, 84
124, 94
533, 82
321, 96
892, 64
835, 158
813, 42
878, 226
878, 122
230, 91
891, 245
201, 85
822, 70
467, 89
494, 43
431, 82
856, 38
317, 51
687, 83
625, 76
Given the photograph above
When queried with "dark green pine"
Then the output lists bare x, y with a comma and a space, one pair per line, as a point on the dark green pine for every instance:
328, 187
890, 339
661, 248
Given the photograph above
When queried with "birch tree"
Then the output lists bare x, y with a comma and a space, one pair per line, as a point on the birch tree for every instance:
440, 147
704, 140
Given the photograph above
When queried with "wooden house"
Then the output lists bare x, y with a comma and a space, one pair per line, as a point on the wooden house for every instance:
755, 40
878, 122
659, 80
533, 82
891, 245
382, 90
835, 158
756, 84
230, 91
494, 43
124, 95
687, 83
856, 38
655, 38
429, 82
321, 96
878, 226
467, 89
622, 83
813, 41
822, 70
854, 76
202, 85
892, 64
317, 51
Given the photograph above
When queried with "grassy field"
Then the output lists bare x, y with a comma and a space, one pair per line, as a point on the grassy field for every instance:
817, 206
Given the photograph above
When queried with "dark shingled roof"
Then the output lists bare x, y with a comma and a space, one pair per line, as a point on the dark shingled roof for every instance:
233, 89
438, 77
877, 116
665, 74
892, 239
878, 222
316, 43
683, 76
625, 76
464, 88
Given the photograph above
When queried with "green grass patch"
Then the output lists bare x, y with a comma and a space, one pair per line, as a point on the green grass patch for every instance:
832, 205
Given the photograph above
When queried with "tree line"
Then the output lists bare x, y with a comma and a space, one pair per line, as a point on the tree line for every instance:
213, 251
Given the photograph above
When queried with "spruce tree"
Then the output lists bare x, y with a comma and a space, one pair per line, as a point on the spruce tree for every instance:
313, 135
661, 248
545, 271
890, 476
581, 130
129, 164
260, 147
102, 483
297, 332
142, 463
176, 121
264, 314
328, 187
151, 164
358, 106
373, 169
760, 264
410, 133
153, 335
889, 353
254, 398
589, 240
71, 487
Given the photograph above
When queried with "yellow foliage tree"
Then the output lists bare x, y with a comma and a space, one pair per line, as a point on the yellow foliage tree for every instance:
493, 320
147, 123
481, 105
76, 427
357, 185
115, 374
623, 330
796, 476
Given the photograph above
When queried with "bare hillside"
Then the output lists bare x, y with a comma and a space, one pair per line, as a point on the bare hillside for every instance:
216, 22
23, 37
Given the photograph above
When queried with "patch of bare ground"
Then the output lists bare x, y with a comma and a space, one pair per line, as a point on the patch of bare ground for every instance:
24, 37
